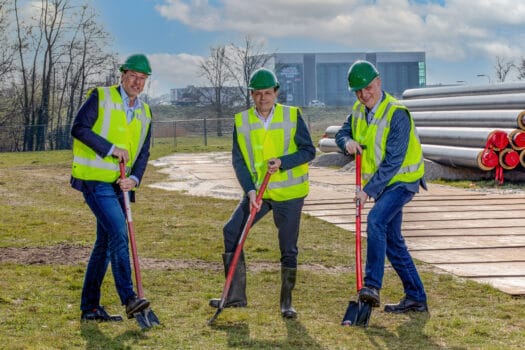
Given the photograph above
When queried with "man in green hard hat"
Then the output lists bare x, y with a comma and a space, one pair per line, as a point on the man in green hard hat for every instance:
268, 137
392, 173
112, 126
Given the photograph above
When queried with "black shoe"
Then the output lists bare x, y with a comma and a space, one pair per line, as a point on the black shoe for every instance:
369, 295
406, 305
215, 303
100, 315
135, 305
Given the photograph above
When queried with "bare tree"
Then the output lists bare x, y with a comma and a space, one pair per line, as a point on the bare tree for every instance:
215, 71
521, 69
28, 44
502, 67
243, 61
7, 52
61, 50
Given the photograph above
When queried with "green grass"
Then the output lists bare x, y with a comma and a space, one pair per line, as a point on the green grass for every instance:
39, 303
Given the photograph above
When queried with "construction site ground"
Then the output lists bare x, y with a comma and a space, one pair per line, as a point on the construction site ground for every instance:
479, 235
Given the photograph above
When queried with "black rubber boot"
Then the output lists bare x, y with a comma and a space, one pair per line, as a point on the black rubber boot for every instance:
287, 284
237, 292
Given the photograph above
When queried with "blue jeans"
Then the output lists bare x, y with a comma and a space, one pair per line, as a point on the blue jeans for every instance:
286, 217
111, 245
385, 239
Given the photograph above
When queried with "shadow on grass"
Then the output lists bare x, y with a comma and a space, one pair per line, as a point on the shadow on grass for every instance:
298, 338
95, 339
409, 335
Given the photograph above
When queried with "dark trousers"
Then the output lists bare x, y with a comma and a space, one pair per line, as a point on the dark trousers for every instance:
286, 216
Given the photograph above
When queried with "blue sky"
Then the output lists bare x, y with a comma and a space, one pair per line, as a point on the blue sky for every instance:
461, 38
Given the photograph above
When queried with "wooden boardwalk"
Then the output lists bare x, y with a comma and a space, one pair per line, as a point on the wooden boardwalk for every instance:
475, 235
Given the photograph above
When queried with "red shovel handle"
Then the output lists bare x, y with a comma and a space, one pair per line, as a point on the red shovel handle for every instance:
131, 232
240, 243
358, 267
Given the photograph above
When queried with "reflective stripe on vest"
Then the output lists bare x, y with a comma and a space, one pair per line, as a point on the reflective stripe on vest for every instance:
258, 145
374, 136
112, 125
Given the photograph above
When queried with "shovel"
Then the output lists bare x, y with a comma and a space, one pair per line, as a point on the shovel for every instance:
238, 250
358, 312
145, 318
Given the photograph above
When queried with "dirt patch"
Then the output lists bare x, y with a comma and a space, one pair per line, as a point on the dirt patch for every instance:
64, 254
56, 255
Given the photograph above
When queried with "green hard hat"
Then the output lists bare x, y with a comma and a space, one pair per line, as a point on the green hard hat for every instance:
361, 74
262, 79
137, 63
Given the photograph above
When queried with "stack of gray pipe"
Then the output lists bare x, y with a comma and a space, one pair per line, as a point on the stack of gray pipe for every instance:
453, 122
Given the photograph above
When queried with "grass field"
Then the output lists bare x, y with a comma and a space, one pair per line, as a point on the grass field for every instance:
47, 232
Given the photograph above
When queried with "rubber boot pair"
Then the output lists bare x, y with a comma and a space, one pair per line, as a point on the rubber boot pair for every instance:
288, 276
237, 293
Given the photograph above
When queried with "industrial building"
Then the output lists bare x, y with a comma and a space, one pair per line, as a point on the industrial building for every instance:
305, 77
319, 79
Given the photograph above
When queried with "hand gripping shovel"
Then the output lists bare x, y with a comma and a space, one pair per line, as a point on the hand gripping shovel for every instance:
145, 318
358, 312
238, 250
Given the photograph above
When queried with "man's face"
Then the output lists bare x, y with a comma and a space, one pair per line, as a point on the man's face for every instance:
370, 94
264, 100
133, 83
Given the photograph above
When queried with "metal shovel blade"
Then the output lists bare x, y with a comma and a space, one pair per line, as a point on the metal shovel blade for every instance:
146, 319
357, 314
214, 317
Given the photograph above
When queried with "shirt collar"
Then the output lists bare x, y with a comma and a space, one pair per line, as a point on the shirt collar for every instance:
270, 115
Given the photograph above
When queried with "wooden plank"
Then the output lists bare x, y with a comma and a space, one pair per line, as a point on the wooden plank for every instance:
486, 270
458, 231
409, 216
444, 256
509, 285
349, 205
458, 242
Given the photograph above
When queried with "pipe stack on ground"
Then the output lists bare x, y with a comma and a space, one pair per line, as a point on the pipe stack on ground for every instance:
480, 127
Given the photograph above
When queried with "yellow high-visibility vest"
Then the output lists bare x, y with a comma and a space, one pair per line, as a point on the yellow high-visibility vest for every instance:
112, 125
258, 145
374, 136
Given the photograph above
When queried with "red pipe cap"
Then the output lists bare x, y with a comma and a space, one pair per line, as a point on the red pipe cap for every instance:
518, 139
490, 159
511, 159
499, 139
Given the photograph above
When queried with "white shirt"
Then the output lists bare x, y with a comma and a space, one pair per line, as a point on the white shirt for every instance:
266, 121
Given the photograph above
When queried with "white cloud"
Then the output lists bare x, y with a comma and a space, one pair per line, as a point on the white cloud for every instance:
454, 31
173, 71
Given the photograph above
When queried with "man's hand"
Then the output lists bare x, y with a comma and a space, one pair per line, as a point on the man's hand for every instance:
352, 147
362, 197
252, 195
121, 154
273, 165
126, 184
